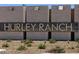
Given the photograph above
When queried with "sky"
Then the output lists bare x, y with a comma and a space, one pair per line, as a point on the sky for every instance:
72, 6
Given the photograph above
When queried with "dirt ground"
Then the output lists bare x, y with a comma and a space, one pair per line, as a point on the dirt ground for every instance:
68, 46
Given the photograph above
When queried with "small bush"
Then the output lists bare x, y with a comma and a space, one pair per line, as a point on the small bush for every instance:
22, 41
29, 45
20, 48
28, 41
8, 40
77, 40
41, 46
77, 46
68, 41
52, 40
56, 50
72, 48
5, 45
45, 42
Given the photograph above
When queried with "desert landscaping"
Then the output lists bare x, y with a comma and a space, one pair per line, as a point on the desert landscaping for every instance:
36, 47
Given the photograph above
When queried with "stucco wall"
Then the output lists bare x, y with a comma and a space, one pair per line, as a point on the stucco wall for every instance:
61, 16
9, 15
76, 19
40, 15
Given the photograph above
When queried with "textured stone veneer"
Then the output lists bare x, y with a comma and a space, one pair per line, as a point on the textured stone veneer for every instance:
61, 16
76, 19
7, 14
40, 15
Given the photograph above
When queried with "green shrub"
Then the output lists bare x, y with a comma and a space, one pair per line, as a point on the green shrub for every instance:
45, 42
52, 40
77, 46
8, 40
56, 50
5, 45
20, 48
28, 41
72, 48
68, 41
77, 40
22, 41
29, 45
41, 46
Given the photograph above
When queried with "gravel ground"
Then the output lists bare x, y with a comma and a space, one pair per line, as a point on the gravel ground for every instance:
68, 46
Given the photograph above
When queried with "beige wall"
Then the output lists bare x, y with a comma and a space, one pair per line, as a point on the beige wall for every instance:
7, 15
76, 19
76, 13
61, 35
61, 16
40, 15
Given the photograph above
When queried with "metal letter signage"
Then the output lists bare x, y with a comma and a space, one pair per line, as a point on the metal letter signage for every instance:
39, 27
